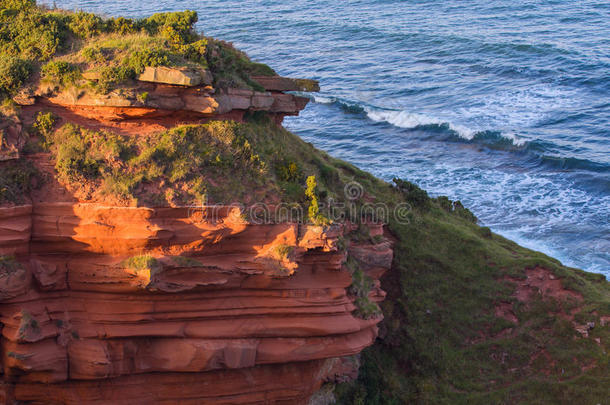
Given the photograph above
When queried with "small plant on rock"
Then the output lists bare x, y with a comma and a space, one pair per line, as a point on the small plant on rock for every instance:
314, 209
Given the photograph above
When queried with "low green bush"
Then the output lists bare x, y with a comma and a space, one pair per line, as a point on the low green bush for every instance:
13, 73
16, 181
110, 76
44, 123
17, 4
61, 73
94, 54
196, 52
137, 60
31, 33
288, 171
176, 27
142, 262
122, 26
86, 25
413, 194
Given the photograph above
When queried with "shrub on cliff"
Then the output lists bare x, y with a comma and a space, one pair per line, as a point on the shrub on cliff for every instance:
16, 178
141, 58
143, 263
43, 125
31, 34
315, 216
17, 4
122, 26
232, 68
413, 194
360, 288
176, 27
288, 171
85, 25
13, 73
60, 72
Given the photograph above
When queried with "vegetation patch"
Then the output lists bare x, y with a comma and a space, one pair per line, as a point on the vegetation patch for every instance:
188, 160
61, 73
360, 289
113, 51
282, 252
142, 262
222, 161
443, 342
232, 67
145, 267
314, 209
9, 266
13, 73
17, 179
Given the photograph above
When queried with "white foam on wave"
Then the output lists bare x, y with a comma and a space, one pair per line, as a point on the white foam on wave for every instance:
405, 119
515, 109
410, 120
323, 100
514, 138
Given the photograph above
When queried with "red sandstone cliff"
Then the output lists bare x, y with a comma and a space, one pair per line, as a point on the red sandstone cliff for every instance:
230, 312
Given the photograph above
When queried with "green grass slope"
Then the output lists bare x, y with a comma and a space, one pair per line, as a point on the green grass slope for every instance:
443, 341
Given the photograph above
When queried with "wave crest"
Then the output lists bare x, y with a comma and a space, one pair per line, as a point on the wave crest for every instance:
405, 119
409, 120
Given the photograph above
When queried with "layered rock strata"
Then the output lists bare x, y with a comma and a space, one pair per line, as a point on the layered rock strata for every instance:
133, 305
224, 311
164, 91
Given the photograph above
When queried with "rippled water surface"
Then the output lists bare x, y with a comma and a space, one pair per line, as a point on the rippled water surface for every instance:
504, 105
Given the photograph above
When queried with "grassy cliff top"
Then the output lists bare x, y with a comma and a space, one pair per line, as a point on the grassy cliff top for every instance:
57, 46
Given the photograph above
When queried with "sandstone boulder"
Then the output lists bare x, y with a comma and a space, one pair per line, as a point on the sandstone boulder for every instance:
175, 76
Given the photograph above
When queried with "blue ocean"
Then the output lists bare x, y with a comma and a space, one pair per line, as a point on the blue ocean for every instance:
504, 105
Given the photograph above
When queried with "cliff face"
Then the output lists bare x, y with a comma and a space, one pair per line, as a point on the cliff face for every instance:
166, 103
193, 304
225, 312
